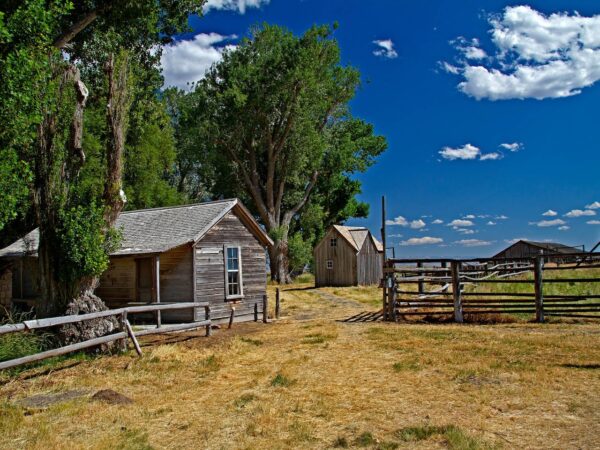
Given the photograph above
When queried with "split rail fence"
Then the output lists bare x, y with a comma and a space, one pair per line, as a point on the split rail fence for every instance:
454, 289
123, 333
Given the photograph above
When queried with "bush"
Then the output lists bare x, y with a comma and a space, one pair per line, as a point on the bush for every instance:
17, 345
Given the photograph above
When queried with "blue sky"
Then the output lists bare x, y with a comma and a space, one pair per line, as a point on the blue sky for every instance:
449, 83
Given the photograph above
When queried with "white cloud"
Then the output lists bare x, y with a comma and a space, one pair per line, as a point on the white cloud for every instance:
595, 205
593, 222
416, 224
491, 223
401, 221
467, 151
473, 242
515, 240
451, 68
234, 5
426, 240
501, 217
514, 147
564, 228
395, 235
461, 223
437, 222
550, 213
548, 223
385, 49
469, 216
538, 56
464, 230
185, 62
580, 213
491, 156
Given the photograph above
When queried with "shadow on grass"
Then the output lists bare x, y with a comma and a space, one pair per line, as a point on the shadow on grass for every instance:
581, 366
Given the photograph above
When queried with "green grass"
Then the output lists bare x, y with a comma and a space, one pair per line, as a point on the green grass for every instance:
318, 338
281, 380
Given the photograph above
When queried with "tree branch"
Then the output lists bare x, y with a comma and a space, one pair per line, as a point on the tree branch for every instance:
287, 218
69, 34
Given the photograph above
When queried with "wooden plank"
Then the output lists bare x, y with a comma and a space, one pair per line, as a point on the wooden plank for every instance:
62, 350
539, 293
133, 338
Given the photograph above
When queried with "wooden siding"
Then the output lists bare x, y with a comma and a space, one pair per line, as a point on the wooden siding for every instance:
369, 264
25, 278
343, 256
210, 268
520, 250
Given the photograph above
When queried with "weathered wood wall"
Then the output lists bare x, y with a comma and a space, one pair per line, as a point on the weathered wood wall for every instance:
210, 269
5, 289
520, 250
343, 255
25, 278
369, 264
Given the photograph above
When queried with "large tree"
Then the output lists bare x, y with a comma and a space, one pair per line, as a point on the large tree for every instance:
57, 58
274, 117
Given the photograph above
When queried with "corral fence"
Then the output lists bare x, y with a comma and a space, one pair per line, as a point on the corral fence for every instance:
122, 333
563, 285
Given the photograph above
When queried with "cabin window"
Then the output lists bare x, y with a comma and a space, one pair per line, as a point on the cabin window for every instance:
329, 264
233, 273
333, 242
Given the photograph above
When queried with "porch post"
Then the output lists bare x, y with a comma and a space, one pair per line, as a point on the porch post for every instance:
157, 289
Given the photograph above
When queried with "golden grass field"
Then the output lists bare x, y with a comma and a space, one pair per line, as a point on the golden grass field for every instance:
311, 381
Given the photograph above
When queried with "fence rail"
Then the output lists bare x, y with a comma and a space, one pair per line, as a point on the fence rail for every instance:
459, 288
124, 332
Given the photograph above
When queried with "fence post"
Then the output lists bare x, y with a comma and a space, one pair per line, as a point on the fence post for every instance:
277, 303
265, 308
421, 276
256, 312
207, 317
392, 299
123, 325
456, 291
539, 291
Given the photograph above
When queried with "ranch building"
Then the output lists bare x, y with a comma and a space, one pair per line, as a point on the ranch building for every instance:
529, 249
213, 251
348, 256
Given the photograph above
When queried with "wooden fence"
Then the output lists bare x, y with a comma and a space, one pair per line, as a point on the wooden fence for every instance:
451, 288
124, 331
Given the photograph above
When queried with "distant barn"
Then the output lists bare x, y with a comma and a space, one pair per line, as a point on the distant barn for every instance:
527, 249
348, 256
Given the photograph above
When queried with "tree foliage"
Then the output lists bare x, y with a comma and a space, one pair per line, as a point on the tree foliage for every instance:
273, 120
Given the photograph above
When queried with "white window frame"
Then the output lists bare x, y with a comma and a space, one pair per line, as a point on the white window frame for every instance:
330, 264
240, 294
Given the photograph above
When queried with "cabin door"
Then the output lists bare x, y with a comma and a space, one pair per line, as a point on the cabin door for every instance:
145, 279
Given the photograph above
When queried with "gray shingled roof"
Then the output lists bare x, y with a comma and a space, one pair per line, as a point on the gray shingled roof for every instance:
150, 230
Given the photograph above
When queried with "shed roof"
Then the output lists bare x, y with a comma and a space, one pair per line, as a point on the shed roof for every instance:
550, 246
159, 229
356, 236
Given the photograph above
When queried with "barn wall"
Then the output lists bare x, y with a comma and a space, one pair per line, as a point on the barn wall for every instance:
117, 283
369, 264
210, 268
520, 250
344, 272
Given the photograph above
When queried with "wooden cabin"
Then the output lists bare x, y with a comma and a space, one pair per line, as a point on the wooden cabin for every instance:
212, 251
348, 256
529, 249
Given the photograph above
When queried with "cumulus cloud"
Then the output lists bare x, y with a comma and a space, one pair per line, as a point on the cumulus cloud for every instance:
469, 48
514, 147
461, 223
537, 56
580, 213
234, 5
501, 217
549, 223
595, 205
401, 221
385, 49
426, 240
185, 62
491, 223
593, 222
469, 216
564, 228
437, 222
467, 151
473, 242
464, 230
550, 213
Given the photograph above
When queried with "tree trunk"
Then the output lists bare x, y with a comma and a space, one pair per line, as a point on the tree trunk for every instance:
279, 262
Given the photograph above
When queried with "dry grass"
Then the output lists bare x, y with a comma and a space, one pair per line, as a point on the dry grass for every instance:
310, 381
